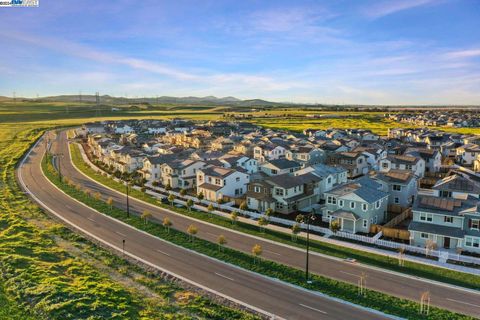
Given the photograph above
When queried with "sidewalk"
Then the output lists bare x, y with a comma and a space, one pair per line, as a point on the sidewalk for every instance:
252, 221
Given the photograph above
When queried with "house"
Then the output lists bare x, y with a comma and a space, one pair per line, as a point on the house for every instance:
401, 185
467, 154
267, 152
306, 155
279, 166
432, 158
373, 155
151, 169
126, 159
217, 182
259, 196
329, 176
248, 164
180, 173
355, 162
403, 162
356, 205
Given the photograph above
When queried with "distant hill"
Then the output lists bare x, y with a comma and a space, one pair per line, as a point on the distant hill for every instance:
211, 100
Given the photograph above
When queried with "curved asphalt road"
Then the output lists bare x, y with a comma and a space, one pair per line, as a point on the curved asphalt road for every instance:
464, 301
268, 295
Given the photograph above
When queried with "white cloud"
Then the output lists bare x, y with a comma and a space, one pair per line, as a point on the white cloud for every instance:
463, 54
393, 6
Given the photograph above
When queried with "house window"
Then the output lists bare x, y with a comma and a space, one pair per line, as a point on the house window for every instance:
448, 219
217, 181
365, 223
475, 224
364, 206
445, 194
396, 200
473, 242
278, 192
329, 180
256, 189
397, 187
237, 179
408, 166
331, 200
385, 165
273, 171
249, 202
424, 235
352, 205
426, 217
375, 220
377, 204
340, 203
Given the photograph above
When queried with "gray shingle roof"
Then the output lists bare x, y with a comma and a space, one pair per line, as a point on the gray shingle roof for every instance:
436, 229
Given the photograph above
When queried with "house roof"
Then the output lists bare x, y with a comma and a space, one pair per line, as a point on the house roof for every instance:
284, 164
215, 171
403, 159
285, 181
394, 175
344, 214
447, 206
457, 183
210, 186
436, 229
368, 194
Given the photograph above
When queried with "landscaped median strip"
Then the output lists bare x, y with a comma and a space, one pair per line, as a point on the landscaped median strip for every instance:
411, 268
347, 292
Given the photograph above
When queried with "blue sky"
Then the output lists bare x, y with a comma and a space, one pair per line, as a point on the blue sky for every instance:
358, 51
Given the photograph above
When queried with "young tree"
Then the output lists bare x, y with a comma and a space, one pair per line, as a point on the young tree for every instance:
299, 218
200, 196
220, 201
183, 192
167, 224
210, 209
243, 206
234, 217
262, 222
168, 187
97, 196
189, 204
256, 252
221, 240
295, 231
335, 226
192, 230
143, 189
146, 215
110, 203
268, 213
171, 198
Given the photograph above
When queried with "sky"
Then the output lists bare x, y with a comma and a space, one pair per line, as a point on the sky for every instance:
359, 51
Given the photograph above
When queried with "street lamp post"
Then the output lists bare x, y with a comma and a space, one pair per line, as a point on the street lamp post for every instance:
128, 203
123, 246
309, 217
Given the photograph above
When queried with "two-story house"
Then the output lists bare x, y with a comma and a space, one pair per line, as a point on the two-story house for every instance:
267, 152
180, 173
279, 166
355, 163
330, 177
217, 182
401, 185
403, 162
356, 206
432, 158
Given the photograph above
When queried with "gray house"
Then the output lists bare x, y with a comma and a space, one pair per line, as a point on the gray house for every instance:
401, 185
356, 205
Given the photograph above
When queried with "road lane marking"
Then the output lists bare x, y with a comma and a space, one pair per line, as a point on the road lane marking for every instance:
163, 253
352, 274
212, 234
221, 275
91, 219
466, 303
68, 207
312, 308
120, 233
272, 252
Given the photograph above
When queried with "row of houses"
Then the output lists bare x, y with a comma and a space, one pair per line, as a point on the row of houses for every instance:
457, 119
349, 176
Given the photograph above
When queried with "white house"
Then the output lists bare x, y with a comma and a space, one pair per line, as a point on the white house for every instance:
217, 182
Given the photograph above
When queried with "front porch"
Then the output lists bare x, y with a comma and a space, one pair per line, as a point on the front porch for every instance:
348, 220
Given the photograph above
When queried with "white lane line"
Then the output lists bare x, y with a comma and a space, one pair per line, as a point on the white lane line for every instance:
68, 207
465, 303
91, 219
221, 275
352, 274
212, 234
273, 252
120, 233
312, 308
162, 252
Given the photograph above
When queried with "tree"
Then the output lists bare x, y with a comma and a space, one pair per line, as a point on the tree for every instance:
295, 231
200, 196
299, 218
210, 208
87, 192
168, 187
146, 215
155, 183
183, 192
256, 252
243, 206
110, 203
220, 201
189, 204
171, 198
143, 189
221, 240
167, 224
234, 217
192, 231
262, 222
335, 226
97, 196
268, 213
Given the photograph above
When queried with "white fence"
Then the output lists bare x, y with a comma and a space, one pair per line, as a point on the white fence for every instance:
162, 193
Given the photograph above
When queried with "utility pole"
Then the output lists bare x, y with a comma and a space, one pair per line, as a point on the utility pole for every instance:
123, 246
